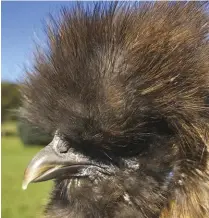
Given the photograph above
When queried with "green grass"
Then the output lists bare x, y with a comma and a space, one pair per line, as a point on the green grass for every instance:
17, 203
9, 126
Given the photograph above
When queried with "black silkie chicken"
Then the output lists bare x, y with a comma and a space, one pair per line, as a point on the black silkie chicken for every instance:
123, 88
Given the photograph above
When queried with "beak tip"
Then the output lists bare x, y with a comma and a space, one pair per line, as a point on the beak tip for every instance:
24, 185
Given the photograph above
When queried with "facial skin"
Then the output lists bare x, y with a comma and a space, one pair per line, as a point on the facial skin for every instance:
123, 92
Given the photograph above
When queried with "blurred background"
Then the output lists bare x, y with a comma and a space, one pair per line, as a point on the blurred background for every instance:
22, 24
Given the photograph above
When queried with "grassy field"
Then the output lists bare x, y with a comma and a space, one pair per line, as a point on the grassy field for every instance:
9, 126
17, 203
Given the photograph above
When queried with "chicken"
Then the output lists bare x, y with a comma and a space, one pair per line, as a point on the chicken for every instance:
123, 89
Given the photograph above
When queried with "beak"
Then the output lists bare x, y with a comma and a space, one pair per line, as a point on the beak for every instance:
49, 164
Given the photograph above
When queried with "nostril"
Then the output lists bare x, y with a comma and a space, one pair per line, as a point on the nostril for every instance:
59, 144
62, 148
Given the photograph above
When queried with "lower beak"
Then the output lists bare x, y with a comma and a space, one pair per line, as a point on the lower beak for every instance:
48, 164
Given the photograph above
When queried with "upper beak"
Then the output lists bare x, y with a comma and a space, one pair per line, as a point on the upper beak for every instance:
48, 164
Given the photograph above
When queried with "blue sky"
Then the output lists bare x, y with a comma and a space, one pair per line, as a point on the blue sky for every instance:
22, 23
